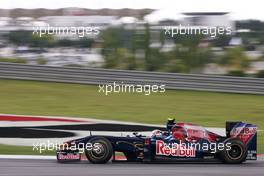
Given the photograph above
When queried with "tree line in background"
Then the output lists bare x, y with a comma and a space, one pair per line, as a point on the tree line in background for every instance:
26, 38
190, 54
132, 49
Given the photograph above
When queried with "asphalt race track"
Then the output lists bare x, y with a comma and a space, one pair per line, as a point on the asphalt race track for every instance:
29, 167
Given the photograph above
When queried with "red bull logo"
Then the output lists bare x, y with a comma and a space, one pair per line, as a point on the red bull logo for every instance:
174, 149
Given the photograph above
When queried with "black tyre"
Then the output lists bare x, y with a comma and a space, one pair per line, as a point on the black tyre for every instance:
237, 152
100, 154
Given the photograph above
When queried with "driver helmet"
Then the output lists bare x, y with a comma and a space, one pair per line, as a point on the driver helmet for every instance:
156, 133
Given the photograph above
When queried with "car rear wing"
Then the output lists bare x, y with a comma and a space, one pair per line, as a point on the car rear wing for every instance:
246, 133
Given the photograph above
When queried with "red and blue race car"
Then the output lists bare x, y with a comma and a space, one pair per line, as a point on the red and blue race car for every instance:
180, 142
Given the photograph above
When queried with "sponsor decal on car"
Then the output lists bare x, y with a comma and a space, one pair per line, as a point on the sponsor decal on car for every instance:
174, 149
245, 133
68, 156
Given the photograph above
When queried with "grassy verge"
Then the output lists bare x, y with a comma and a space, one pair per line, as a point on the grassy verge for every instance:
260, 142
205, 108
22, 150
58, 99
13, 60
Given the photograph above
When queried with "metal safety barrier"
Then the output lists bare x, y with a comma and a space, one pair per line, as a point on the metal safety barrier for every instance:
107, 76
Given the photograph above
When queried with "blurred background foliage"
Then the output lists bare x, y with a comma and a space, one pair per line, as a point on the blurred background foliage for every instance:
133, 49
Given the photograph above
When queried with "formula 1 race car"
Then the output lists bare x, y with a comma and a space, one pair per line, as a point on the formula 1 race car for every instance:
180, 142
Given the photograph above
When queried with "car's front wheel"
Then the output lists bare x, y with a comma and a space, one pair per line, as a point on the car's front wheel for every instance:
101, 151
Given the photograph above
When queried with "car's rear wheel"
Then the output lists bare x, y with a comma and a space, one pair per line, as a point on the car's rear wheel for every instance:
237, 152
101, 151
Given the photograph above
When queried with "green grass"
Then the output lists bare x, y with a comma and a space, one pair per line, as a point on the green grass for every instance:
260, 142
22, 150
13, 60
58, 99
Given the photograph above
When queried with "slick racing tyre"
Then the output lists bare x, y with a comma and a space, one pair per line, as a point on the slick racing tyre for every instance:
237, 152
101, 152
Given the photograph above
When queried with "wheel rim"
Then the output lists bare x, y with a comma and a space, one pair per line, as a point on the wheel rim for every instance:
235, 152
99, 151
